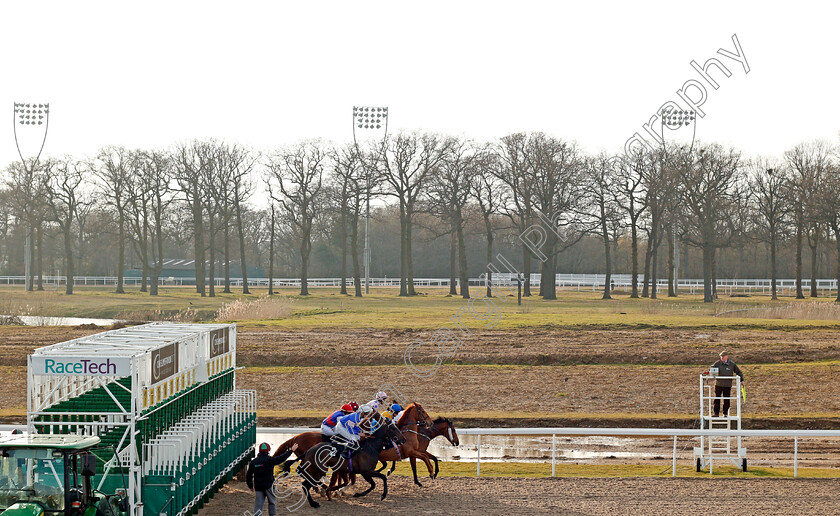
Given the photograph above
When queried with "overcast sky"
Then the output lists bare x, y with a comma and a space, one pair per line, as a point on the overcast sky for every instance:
270, 73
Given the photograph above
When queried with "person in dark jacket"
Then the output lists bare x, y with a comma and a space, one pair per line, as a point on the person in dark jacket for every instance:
260, 477
723, 386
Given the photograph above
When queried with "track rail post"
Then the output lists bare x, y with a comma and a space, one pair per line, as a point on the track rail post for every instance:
478, 457
674, 462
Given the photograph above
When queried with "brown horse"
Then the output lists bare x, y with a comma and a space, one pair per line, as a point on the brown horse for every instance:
414, 417
323, 456
304, 441
440, 426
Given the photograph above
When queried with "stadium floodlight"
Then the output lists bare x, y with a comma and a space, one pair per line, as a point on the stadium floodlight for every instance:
372, 120
35, 121
674, 118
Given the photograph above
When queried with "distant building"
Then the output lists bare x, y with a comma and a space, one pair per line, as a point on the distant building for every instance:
180, 269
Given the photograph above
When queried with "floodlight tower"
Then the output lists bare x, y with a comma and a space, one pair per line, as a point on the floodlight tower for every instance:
369, 119
674, 119
34, 117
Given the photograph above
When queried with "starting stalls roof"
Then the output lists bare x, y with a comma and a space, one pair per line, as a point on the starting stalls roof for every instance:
66, 442
128, 342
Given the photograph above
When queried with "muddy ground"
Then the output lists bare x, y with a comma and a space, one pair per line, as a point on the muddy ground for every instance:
261, 346
590, 376
577, 496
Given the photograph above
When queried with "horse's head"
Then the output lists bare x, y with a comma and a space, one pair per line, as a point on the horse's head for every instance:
450, 433
422, 416
394, 434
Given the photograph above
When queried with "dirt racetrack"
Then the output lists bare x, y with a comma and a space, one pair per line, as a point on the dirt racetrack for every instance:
574, 496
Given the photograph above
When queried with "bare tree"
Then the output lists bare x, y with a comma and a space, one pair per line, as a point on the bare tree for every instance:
27, 187
298, 174
448, 193
408, 161
630, 195
557, 193
827, 203
768, 186
485, 188
191, 160
512, 170
241, 162
156, 171
599, 173
64, 196
351, 176
139, 195
711, 196
112, 168
808, 162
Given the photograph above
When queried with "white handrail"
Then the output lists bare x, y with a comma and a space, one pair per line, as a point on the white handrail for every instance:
624, 432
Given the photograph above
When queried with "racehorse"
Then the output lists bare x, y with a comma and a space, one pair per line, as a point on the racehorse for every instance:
323, 456
413, 417
304, 441
440, 426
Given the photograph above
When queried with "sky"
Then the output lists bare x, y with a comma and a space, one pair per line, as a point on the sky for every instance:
268, 74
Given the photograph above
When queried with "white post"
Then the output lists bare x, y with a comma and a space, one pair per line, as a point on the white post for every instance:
795, 456
674, 465
478, 457
553, 452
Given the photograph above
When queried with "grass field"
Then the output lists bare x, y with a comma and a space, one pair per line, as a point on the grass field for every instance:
432, 309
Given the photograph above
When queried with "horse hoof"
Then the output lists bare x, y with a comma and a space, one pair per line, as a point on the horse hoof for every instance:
382, 497
314, 505
356, 495
419, 484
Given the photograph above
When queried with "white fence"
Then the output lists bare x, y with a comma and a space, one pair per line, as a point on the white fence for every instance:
580, 282
675, 433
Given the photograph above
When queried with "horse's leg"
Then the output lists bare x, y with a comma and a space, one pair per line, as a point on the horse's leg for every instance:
425, 456
312, 503
337, 477
384, 483
367, 476
414, 470
393, 467
437, 469
384, 465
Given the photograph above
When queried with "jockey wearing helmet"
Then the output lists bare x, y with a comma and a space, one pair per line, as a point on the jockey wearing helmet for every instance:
397, 409
349, 427
328, 425
379, 400
392, 411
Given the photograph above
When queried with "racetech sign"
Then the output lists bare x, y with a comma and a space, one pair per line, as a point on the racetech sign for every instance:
85, 366
164, 362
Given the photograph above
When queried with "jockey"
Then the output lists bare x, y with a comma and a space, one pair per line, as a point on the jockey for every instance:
392, 411
398, 411
379, 400
328, 425
348, 426
354, 406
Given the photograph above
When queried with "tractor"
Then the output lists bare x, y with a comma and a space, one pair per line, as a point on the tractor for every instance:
51, 475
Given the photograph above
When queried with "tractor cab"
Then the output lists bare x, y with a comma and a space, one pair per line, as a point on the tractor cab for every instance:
52, 475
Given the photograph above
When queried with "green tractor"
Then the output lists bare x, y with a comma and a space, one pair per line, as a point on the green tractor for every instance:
50, 475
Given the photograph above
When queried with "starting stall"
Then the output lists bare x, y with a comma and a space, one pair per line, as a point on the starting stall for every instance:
162, 397
721, 448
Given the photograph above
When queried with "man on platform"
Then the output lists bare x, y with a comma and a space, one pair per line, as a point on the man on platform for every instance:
723, 386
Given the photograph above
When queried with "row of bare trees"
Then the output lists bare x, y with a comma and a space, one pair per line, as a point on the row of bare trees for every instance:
201, 194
